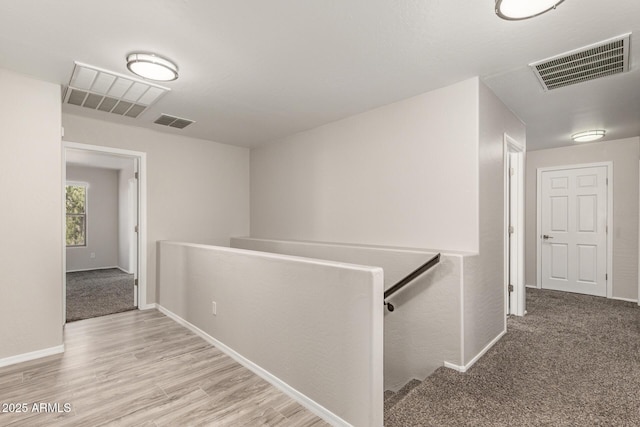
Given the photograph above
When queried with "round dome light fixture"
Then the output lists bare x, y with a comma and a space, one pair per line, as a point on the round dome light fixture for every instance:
516, 10
152, 67
589, 135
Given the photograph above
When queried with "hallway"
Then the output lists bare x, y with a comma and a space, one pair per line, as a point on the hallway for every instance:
142, 368
572, 360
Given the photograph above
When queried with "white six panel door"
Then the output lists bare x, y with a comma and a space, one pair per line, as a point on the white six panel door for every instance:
574, 235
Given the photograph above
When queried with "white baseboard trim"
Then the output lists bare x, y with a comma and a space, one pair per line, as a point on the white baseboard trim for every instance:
151, 306
123, 270
477, 357
625, 299
308, 403
616, 298
95, 268
25, 357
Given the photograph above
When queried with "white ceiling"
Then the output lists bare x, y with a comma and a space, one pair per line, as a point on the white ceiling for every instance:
253, 71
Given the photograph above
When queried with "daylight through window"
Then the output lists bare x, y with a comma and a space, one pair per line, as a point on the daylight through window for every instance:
76, 205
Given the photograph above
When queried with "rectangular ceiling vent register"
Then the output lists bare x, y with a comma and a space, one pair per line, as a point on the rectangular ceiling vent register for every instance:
590, 62
103, 90
172, 121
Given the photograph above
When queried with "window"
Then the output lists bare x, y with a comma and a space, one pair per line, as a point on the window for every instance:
76, 205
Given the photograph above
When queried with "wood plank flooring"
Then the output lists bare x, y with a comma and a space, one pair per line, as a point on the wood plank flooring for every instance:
140, 368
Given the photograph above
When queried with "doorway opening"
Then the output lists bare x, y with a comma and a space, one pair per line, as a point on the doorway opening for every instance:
104, 204
514, 154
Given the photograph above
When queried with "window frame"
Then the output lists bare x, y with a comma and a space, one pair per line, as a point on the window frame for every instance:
85, 215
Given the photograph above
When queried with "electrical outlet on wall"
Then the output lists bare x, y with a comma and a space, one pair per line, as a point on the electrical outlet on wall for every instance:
93, 255
213, 308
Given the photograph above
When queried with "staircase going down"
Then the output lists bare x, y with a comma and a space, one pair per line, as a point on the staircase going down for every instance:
391, 398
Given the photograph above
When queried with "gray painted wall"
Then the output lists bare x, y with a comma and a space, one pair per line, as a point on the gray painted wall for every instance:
625, 154
31, 215
102, 219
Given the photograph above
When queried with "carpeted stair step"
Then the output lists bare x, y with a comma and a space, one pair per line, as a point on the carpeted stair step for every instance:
392, 398
388, 394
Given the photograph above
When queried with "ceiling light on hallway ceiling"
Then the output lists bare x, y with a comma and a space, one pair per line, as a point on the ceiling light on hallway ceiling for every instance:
151, 66
589, 135
515, 10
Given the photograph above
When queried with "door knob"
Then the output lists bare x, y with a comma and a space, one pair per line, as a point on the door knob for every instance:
546, 237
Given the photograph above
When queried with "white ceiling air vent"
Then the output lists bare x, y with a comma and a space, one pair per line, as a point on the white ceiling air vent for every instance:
587, 63
172, 121
102, 90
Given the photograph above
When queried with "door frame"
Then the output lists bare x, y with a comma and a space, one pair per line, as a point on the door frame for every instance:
132, 235
539, 171
514, 301
142, 217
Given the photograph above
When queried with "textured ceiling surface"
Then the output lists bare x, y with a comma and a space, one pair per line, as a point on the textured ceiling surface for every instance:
254, 71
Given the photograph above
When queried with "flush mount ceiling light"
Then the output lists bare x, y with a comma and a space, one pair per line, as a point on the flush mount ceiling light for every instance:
589, 135
515, 10
152, 67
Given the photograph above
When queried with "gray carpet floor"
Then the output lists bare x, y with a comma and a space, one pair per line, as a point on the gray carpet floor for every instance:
98, 293
573, 360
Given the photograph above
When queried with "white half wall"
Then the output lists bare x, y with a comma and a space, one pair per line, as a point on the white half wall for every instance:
197, 190
625, 154
401, 175
31, 217
425, 329
316, 326
102, 219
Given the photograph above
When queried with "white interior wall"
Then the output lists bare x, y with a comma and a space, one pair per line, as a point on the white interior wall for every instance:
401, 175
125, 222
102, 219
484, 290
625, 154
31, 217
197, 191
426, 172
316, 326
424, 330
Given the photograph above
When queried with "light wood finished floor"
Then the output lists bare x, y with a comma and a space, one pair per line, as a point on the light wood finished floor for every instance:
140, 368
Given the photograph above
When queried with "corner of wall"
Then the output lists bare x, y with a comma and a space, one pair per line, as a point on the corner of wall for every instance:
31, 227
483, 289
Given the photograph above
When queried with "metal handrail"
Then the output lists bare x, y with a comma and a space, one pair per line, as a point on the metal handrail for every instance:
409, 278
